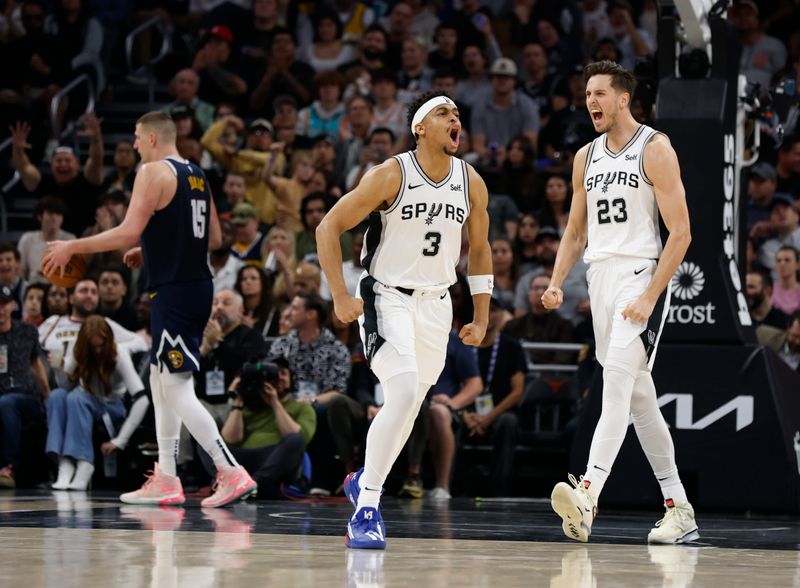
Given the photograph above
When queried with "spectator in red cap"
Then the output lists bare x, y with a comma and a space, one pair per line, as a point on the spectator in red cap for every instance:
218, 82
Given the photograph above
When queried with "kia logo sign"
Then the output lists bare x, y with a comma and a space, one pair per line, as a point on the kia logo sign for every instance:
688, 281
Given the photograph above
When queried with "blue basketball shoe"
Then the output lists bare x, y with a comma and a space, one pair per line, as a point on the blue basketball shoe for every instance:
365, 530
351, 487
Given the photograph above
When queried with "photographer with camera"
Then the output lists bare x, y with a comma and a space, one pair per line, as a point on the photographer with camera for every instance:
266, 429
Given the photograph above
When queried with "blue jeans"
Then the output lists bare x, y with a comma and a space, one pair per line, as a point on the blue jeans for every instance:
71, 416
16, 409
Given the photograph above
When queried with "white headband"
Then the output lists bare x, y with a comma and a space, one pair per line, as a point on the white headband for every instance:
423, 110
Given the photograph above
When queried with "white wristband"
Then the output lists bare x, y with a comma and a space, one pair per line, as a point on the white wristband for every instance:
483, 284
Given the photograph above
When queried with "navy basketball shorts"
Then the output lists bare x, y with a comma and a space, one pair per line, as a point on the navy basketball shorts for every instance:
417, 326
613, 284
178, 315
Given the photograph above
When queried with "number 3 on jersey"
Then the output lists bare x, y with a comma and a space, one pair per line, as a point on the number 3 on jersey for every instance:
434, 240
199, 218
604, 208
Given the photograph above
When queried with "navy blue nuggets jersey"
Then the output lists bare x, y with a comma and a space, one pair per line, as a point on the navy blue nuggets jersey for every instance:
175, 251
175, 242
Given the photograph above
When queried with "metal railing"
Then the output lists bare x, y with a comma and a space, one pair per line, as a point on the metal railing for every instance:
143, 73
530, 346
55, 105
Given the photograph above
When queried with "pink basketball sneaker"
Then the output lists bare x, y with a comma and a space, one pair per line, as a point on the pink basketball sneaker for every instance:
160, 488
232, 483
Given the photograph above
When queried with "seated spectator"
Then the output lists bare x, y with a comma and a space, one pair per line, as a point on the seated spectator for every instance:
505, 114
380, 146
313, 209
112, 206
261, 311
267, 433
143, 312
525, 243
787, 169
307, 279
184, 87
323, 116
186, 125
323, 153
20, 401
633, 42
100, 375
502, 365
371, 52
249, 243
214, 66
786, 293
785, 221
10, 276
79, 37
321, 367
33, 304
351, 270
558, 197
790, 351
280, 263
58, 333
759, 301
576, 291
505, 270
223, 263
541, 84
327, 52
247, 162
542, 326
446, 54
56, 301
77, 188
389, 112
475, 88
233, 190
438, 421
762, 55
281, 74
113, 289
289, 192
760, 189
503, 216
415, 75
124, 172
517, 174
354, 130
397, 25
49, 214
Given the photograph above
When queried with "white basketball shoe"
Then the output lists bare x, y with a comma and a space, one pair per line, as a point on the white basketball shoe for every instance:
677, 526
576, 506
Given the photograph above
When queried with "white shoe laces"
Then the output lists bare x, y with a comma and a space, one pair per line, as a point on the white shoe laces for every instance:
673, 516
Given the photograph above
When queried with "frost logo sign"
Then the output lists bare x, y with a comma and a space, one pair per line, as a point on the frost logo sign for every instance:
687, 284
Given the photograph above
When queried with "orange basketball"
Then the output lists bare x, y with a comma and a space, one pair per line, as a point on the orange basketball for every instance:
74, 272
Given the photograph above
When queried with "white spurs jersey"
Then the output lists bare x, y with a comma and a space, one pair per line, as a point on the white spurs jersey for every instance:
620, 200
416, 242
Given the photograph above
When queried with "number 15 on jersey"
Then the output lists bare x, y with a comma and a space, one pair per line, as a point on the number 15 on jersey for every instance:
199, 208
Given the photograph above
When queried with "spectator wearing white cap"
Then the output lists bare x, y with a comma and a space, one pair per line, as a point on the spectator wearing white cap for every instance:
504, 115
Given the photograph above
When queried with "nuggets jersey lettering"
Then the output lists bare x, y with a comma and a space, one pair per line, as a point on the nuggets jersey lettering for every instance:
175, 241
620, 200
417, 241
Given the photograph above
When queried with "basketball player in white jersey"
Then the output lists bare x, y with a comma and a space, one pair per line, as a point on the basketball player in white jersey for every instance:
417, 203
621, 182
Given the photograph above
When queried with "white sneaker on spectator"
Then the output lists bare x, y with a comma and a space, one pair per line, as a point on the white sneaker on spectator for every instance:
439, 493
66, 470
159, 488
83, 476
232, 483
677, 526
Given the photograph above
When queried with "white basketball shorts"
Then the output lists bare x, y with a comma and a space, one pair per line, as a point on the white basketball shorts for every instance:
613, 284
417, 326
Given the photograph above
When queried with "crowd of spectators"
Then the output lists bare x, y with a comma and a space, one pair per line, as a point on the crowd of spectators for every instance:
286, 105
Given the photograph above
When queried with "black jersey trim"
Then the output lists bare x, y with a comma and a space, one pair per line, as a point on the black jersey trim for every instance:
465, 172
425, 176
402, 189
628, 144
641, 158
372, 238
